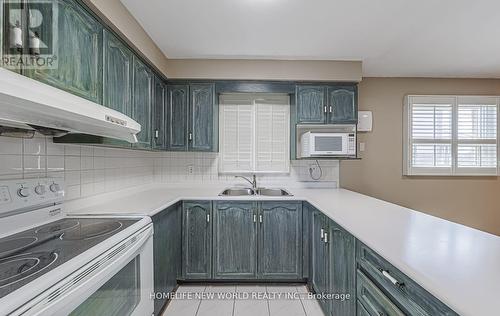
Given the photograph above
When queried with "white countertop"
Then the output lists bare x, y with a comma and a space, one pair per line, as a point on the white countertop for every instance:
457, 264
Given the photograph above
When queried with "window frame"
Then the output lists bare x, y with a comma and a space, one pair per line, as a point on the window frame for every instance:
454, 170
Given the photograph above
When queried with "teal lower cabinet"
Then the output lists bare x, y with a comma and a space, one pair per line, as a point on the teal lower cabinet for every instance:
197, 240
244, 241
235, 240
280, 240
372, 300
403, 292
167, 252
332, 265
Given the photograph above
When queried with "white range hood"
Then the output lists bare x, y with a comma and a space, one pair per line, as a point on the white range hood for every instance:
28, 104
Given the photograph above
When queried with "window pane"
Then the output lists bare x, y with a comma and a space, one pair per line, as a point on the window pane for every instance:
431, 121
431, 155
477, 156
477, 121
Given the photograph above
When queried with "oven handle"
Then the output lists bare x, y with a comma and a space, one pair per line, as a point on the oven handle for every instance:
77, 287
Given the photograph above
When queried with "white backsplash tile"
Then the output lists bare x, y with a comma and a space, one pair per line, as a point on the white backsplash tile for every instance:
93, 170
34, 146
11, 146
11, 164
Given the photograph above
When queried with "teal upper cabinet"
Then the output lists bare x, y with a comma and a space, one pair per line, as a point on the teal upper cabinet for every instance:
280, 240
310, 104
142, 101
159, 114
117, 74
342, 105
201, 117
235, 240
197, 240
177, 99
78, 47
327, 104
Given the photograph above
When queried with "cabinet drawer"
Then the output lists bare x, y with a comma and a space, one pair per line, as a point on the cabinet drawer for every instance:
373, 300
407, 294
361, 310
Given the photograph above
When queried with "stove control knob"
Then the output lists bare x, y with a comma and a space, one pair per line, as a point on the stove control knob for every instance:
23, 192
54, 187
40, 189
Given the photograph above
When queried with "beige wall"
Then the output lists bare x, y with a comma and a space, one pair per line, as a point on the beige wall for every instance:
114, 13
265, 69
473, 201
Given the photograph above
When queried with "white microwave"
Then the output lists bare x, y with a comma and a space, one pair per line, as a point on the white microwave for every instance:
328, 144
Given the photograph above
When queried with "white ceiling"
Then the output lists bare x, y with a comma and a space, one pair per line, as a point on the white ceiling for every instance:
428, 38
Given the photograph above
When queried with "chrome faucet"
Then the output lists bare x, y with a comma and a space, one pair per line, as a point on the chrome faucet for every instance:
253, 182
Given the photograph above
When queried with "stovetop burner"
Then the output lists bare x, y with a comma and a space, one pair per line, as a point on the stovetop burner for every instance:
16, 268
28, 255
91, 231
12, 245
57, 227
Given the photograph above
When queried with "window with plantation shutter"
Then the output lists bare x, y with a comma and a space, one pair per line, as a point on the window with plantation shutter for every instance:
254, 133
450, 135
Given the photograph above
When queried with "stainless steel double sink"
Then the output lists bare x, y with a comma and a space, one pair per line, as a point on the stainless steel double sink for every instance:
258, 191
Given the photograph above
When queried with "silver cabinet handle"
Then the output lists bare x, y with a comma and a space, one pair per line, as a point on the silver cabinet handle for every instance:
326, 238
389, 277
260, 218
324, 108
322, 233
208, 218
331, 109
190, 136
254, 218
157, 133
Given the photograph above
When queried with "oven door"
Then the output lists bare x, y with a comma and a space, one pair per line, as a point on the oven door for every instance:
119, 282
329, 144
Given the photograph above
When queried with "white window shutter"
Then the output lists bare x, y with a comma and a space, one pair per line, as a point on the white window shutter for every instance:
272, 132
477, 135
254, 133
451, 135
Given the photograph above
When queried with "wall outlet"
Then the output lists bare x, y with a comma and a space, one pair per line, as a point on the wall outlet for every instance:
314, 172
190, 169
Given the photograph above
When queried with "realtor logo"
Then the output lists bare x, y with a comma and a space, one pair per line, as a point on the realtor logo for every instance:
29, 34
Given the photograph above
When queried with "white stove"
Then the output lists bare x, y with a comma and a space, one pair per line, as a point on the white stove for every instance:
51, 264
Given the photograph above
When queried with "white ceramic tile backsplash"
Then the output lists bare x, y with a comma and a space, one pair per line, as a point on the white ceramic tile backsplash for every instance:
91, 170
86, 170
174, 167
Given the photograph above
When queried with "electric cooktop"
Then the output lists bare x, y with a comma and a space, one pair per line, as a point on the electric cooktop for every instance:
31, 253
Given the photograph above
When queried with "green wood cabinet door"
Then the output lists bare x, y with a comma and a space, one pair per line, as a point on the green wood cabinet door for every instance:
142, 102
178, 98
117, 74
311, 104
319, 257
78, 47
342, 105
159, 115
280, 240
201, 117
197, 240
342, 269
166, 251
235, 240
